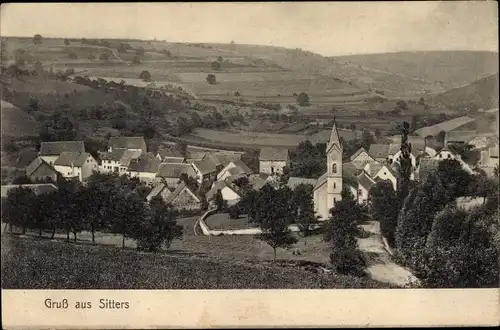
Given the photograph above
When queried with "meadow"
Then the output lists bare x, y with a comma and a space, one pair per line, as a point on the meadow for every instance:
40, 264
16, 123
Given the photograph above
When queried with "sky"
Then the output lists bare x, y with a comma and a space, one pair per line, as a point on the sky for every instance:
327, 28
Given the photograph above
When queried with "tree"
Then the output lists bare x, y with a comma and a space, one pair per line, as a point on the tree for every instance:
455, 180
421, 101
219, 201
17, 209
66, 42
136, 60
367, 139
145, 75
129, 215
405, 163
304, 203
140, 51
161, 227
211, 79
341, 230
22, 179
37, 39
303, 99
276, 219
234, 212
72, 55
216, 65
220, 59
385, 207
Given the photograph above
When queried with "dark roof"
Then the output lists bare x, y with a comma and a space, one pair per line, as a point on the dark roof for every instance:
127, 142
379, 150
445, 126
321, 180
374, 168
239, 163
365, 181
177, 191
460, 136
71, 159
270, 153
158, 188
427, 166
169, 153
206, 165
58, 147
36, 163
145, 163
348, 169
41, 188
174, 170
123, 156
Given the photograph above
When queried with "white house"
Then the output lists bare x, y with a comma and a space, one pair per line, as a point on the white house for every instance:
229, 194
489, 160
273, 160
360, 158
50, 151
380, 152
76, 165
234, 168
387, 173
118, 160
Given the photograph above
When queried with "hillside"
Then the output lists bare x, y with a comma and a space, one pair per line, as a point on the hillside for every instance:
449, 68
483, 93
15, 122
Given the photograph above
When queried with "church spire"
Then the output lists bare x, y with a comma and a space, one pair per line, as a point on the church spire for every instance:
334, 136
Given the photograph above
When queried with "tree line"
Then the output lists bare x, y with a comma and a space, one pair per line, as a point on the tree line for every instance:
107, 203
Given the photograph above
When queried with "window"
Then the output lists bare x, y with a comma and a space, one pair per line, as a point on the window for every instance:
334, 186
88, 160
449, 156
334, 200
385, 173
334, 168
51, 163
440, 155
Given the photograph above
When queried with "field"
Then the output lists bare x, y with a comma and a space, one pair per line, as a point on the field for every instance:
223, 222
41, 264
15, 122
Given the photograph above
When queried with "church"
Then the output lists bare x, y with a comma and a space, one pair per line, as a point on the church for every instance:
328, 187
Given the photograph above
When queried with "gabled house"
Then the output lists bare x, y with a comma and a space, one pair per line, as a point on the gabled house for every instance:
169, 155
234, 168
196, 156
75, 165
386, 172
459, 137
39, 169
127, 142
170, 173
364, 185
229, 193
380, 152
484, 141
273, 160
182, 198
489, 160
372, 168
360, 158
446, 153
144, 167
206, 169
50, 151
118, 160
160, 189
259, 180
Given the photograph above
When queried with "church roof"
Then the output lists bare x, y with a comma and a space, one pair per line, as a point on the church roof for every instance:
321, 181
334, 136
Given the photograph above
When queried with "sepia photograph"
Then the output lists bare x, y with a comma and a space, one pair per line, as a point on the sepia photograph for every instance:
274, 145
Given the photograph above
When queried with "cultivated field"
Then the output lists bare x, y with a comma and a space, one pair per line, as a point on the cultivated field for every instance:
16, 123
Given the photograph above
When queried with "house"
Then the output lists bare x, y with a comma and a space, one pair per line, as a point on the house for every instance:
273, 160
484, 141
170, 173
446, 153
39, 169
259, 180
118, 160
50, 151
360, 158
169, 155
364, 185
127, 142
195, 156
489, 160
380, 152
38, 188
234, 168
350, 170
229, 193
372, 168
206, 169
160, 189
25, 157
293, 182
144, 167
386, 172
445, 126
182, 198
76, 165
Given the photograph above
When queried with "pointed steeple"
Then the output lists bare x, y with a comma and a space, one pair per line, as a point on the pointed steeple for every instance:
334, 137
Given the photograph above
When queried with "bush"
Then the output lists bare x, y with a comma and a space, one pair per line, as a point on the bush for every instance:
234, 212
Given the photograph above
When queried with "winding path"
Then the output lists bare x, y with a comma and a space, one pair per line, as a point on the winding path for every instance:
380, 265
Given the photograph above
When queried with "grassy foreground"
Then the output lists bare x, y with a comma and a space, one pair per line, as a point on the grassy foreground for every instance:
42, 264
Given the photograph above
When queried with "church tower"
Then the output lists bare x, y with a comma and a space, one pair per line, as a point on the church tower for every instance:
334, 170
